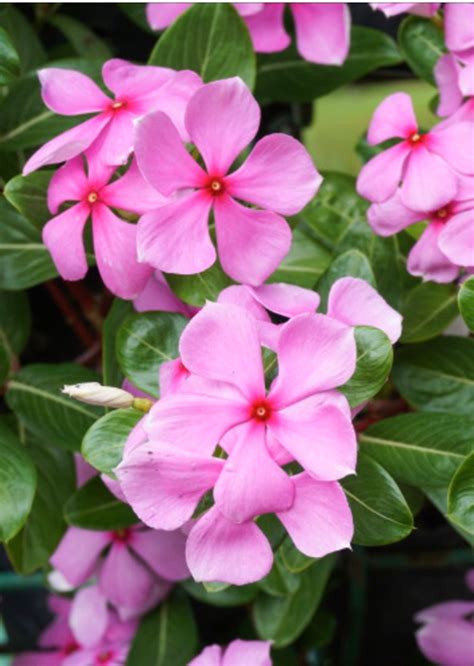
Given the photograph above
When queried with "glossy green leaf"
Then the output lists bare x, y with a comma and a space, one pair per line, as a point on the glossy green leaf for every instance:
439, 497
374, 361
437, 376
422, 44
103, 443
166, 636
305, 263
380, 511
24, 39
351, 263
28, 194
280, 582
461, 496
17, 483
93, 507
34, 394
4, 362
201, 287
9, 59
146, 341
427, 310
111, 373
211, 39
233, 595
423, 450
466, 302
294, 560
286, 77
83, 40
15, 323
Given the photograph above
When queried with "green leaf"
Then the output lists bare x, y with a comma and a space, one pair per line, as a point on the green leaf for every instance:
461, 496
28, 194
427, 310
146, 341
32, 547
233, 595
381, 514
4, 362
9, 60
437, 376
295, 561
374, 361
439, 497
111, 373
166, 636
23, 37
24, 260
34, 394
135, 11
93, 507
304, 264
422, 450
15, 324
351, 263
282, 619
17, 483
422, 44
201, 287
286, 77
280, 582
210, 39
83, 40
466, 302
103, 443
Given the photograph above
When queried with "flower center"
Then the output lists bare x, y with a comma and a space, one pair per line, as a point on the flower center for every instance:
442, 215
92, 197
121, 536
104, 657
117, 105
69, 648
261, 410
415, 139
215, 186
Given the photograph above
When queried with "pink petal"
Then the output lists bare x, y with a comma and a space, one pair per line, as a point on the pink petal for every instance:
115, 142
458, 22
267, 30
162, 158
157, 295
98, 172
244, 653
446, 73
315, 353
243, 297
248, 8
57, 633
428, 183
394, 117
378, 180
175, 238
69, 183
161, 15
114, 486
222, 118
456, 239
392, 216
116, 254
123, 580
445, 610
466, 80
210, 656
262, 237
426, 259
286, 299
71, 93
132, 192
320, 520
84, 471
394, 8
447, 642
219, 550
320, 437
322, 31
128, 81
172, 377
62, 235
278, 175
164, 485
251, 483
76, 556
450, 143
89, 616
221, 343
163, 552
354, 302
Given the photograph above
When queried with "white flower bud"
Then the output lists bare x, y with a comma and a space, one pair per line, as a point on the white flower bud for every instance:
58, 582
94, 393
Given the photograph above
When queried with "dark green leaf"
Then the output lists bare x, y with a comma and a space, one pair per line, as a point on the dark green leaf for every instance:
294, 560
439, 497
280, 582
136, 13
351, 263
201, 287
23, 37
111, 373
93, 507
427, 311
28, 194
466, 302
437, 376
83, 40
461, 496
233, 595
4, 362
422, 44
9, 60
15, 323
305, 263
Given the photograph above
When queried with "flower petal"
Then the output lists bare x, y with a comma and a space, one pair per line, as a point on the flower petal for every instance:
266, 28
89, 616
162, 14
445, 610
446, 73
123, 580
428, 182
450, 144
394, 117
244, 653
218, 550
132, 192
391, 216
69, 183
163, 552
458, 22
222, 118
447, 642
128, 81
456, 239
62, 235
287, 300
210, 656
243, 297
261, 237
76, 556
322, 31
379, 179
115, 142
426, 259
157, 296
71, 93
320, 520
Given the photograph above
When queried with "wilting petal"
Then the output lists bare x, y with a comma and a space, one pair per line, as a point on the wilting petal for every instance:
164, 485
278, 175
251, 243
322, 31
76, 556
89, 616
315, 353
426, 259
251, 483
116, 254
69, 183
458, 22
267, 30
320, 520
71, 93
62, 235
243, 653
221, 343
288, 300
446, 73
161, 14
163, 552
210, 656
132, 192
379, 178
394, 117
456, 239
123, 580
219, 550
392, 216
447, 642
222, 118
175, 238
450, 143
428, 183
354, 302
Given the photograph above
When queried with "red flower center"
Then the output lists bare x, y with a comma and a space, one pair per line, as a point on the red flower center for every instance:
261, 410
69, 648
442, 214
416, 139
92, 197
117, 105
104, 657
121, 536
215, 186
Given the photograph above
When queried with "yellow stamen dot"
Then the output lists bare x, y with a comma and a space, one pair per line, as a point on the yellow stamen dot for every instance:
261, 412
216, 186
117, 105
415, 137
92, 198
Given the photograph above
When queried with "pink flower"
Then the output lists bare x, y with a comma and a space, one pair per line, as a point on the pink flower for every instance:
427, 164
447, 242
137, 90
425, 9
114, 239
322, 30
455, 81
278, 175
459, 30
135, 573
237, 653
224, 401
157, 296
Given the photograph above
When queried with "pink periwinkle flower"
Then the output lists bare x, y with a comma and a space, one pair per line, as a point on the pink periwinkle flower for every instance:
428, 165
158, 296
278, 176
137, 89
425, 9
237, 653
135, 566
322, 29
455, 81
459, 30
114, 239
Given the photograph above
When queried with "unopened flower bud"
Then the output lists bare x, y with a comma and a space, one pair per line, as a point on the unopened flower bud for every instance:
94, 393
